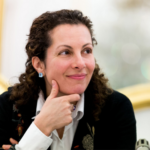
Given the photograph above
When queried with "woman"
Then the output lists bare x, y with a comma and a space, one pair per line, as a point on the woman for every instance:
62, 100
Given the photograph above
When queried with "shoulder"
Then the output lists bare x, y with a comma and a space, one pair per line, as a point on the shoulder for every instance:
118, 121
117, 99
119, 106
5, 103
7, 93
5, 96
115, 96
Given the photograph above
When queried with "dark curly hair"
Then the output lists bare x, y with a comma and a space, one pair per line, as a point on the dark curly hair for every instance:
26, 92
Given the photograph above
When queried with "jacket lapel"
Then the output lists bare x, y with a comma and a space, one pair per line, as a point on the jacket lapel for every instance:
80, 133
84, 136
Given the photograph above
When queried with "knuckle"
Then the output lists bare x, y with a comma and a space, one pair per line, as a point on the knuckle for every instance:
68, 105
68, 112
69, 119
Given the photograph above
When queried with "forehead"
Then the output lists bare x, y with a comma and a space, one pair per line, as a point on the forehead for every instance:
68, 32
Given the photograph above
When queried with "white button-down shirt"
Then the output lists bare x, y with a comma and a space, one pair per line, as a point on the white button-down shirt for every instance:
34, 139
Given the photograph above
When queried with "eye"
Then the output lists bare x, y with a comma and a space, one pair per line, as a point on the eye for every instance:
88, 51
64, 52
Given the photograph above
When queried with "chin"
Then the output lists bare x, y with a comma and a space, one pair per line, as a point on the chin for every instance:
78, 91
75, 91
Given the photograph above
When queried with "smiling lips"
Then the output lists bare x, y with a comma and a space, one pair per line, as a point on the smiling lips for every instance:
77, 76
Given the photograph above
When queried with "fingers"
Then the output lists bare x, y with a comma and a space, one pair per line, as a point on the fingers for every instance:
6, 147
74, 98
13, 141
54, 90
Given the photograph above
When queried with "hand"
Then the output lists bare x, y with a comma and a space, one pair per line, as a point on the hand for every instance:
56, 111
6, 147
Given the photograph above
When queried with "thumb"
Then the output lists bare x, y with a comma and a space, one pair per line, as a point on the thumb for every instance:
54, 90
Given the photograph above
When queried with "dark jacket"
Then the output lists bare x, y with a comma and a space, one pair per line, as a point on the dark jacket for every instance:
116, 128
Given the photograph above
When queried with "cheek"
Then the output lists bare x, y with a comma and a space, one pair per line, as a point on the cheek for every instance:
58, 68
91, 65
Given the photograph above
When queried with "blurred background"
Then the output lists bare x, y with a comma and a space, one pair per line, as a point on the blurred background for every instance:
122, 30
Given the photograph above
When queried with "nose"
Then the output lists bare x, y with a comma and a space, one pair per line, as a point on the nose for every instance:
78, 62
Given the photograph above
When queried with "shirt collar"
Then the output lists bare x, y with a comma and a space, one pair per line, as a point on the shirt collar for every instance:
77, 113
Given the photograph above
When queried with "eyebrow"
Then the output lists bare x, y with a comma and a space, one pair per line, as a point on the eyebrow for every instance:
71, 47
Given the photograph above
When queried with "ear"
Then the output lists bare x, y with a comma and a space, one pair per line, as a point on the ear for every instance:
38, 65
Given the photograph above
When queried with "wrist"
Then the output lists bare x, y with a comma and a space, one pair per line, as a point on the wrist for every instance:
42, 126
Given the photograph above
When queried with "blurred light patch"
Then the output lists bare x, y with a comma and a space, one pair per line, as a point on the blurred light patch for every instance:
130, 53
111, 66
115, 49
145, 68
129, 3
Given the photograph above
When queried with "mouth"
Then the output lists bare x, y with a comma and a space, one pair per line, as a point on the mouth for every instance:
77, 76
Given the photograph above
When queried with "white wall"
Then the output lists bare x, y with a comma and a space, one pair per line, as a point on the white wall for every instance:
143, 123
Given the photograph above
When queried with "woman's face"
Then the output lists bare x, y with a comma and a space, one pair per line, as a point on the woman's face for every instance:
69, 60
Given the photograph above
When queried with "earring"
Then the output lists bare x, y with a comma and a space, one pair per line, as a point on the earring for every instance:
40, 75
